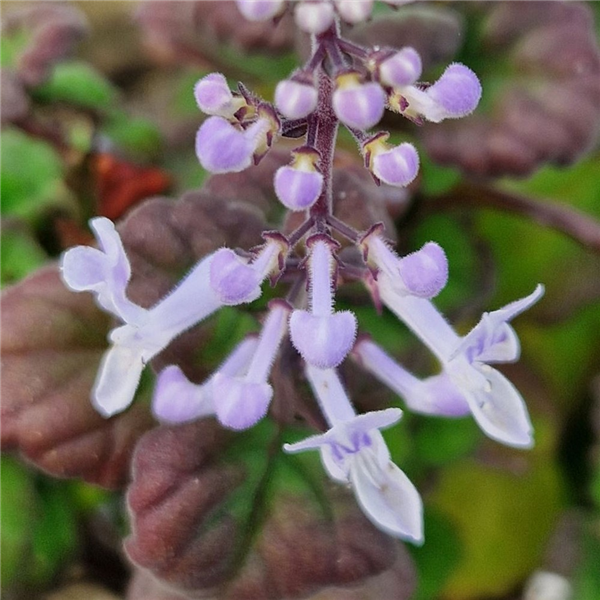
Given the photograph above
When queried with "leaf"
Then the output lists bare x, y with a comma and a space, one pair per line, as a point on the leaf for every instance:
438, 557
434, 31
504, 520
539, 63
77, 83
36, 37
442, 441
51, 346
15, 100
140, 137
586, 582
32, 175
55, 536
215, 32
21, 253
251, 522
18, 503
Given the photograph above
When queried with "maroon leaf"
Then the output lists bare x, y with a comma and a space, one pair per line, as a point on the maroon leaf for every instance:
53, 29
14, 100
227, 515
52, 341
197, 31
434, 31
544, 107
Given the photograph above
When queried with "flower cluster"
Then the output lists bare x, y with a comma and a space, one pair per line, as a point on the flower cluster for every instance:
340, 83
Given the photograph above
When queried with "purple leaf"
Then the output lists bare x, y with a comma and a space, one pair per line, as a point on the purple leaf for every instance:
545, 110
52, 30
197, 31
52, 341
249, 525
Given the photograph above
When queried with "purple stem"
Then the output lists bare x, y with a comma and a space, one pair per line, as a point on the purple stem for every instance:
326, 126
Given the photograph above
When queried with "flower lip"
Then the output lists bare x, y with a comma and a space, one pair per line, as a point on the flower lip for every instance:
260, 10
356, 104
295, 99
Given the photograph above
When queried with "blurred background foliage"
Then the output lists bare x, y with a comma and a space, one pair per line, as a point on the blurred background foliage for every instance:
103, 117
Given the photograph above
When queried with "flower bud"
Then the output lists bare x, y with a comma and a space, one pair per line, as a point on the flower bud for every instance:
358, 105
299, 185
457, 91
397, 165
314, 17
260, 10
214, 97
294, 99
402, 68
355, 11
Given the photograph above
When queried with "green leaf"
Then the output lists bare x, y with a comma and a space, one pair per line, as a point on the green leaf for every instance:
463, 261
21, 254
595, 487
12, 46
54, 533
138, 136
441, 441
32, 175
437, 558
77, 83
436, 179
18, 500
504, 520
586, 580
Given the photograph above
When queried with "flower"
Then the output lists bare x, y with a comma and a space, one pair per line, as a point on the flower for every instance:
295, 99
177, 400
260, 10
435, 395
358, 105
147, 332
314, 17
353, 452
454, 95
322, 336
399, 68
214, 97
398, 165
355, 11
299, 185
240, 401
423, 273
494, 402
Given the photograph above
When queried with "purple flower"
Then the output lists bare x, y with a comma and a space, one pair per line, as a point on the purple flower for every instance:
235, 280
314, 17
423, 273
177, 400
397, 166
494, 402
295, 99
214, 97
455, 94
355, 11
353, 452
147, 332
435, 395
260, 10
457, 91
321, 336
223, 148
241, 401
299, 185
358, 105
401, 68
105, 272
